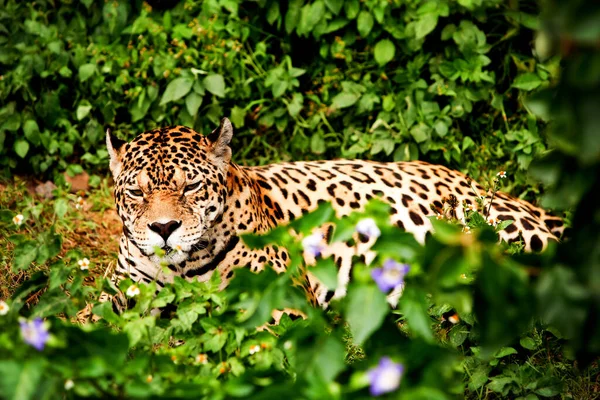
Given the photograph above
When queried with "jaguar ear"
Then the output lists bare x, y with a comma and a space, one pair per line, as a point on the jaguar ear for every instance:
220, 138
114, 145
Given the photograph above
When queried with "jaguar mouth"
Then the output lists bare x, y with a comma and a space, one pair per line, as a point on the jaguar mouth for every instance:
199, 245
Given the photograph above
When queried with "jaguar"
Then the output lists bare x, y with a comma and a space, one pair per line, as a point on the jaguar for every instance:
184, 204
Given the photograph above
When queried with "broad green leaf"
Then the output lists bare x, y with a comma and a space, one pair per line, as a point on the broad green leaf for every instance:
527, 343
344, 99
326, 272
413, 305
237, 116
425, 25
83, 111
293, 15
273, 13
364, 23
365, 310
505, 351
351, 7
193, 101
32, 131
20, 380
21, 147
329, 359
86, 71
384, 51
442, 129
527, 82
317, 143
176, 89
215, 84
23, 255
334, 5
61, 206
420, 132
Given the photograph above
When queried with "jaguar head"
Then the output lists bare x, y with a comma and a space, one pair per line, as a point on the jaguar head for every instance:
170, 188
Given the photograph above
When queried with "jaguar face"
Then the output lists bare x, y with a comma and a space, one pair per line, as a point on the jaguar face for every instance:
170, 188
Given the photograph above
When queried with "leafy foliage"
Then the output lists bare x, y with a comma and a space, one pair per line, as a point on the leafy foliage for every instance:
373, 79
379, 84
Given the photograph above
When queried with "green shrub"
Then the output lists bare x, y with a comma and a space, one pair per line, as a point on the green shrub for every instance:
437, 80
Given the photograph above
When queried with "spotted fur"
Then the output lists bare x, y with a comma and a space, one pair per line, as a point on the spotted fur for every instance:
178, 190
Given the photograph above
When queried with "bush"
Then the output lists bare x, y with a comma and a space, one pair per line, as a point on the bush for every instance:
512, 325
436, 80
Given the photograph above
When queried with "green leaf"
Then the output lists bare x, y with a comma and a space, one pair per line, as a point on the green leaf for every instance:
420, 132
317, 143
86, 71
365, 310
324, 213
326, 272
413, 305
21, 147
505, 351
215, 84
83, 111
61, 206
384, 51
528, 343
293, 15
344, 99
364, 23
425, 25
502, 225
237, 116
176, 89
193, 101
442, 129
20, 381
334, 5
351, 7
273, 13
32, 131
24, 254
527, 82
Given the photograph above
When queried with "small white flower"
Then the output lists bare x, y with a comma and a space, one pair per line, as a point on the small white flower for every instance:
367, 227
201, 358
178, 248
69, 384
254, 349
313, 244
79, 203
4, 308
132, 291
501, 174
492, 221
18, 219
439, 217
287, 345
472, 207
84, 264
466, 230
454, 319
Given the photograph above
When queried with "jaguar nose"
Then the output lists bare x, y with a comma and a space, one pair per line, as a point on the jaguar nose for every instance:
164, 230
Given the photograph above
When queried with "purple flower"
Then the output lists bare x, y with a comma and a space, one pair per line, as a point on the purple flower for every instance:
390, 276
368, 228
35, 333
385, 377
313, 244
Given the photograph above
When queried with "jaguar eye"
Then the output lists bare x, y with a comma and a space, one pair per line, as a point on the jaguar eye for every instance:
192, 187
136, 192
